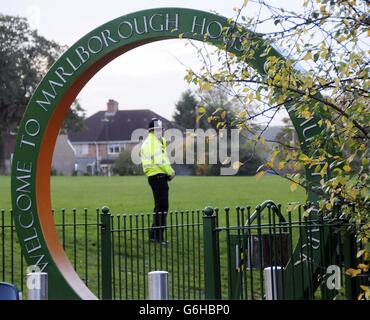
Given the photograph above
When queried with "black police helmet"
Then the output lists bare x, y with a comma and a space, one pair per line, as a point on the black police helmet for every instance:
155, 124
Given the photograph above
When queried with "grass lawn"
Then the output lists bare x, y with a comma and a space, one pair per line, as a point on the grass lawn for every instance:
133, 194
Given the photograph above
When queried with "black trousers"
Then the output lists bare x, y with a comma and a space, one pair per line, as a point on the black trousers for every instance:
159, 185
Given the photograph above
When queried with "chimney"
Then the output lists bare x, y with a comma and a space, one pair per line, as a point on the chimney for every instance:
112, 107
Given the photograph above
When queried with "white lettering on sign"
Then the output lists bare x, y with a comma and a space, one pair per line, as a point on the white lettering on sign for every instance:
26, 184
40, 261
144, 27
24, 203
105, 34
123, 28
313, 243
151, 23
83, 54
32, 243
26, 224
32, 129
72, 65
196, 25
61, 73
95, 44
305, 133
172, 25
217, 30
46, 101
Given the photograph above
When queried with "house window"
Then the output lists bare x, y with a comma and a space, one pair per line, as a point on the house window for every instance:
114, 148
81, 149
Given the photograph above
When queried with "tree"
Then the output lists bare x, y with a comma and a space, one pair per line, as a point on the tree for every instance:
74, 121
216, 109
330, 41
185, 110
123, 166
25, 57
286, 140
251, 157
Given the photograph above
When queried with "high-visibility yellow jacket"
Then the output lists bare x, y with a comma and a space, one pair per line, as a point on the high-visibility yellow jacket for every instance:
154, 158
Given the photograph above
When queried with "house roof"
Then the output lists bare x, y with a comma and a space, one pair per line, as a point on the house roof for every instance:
116, 127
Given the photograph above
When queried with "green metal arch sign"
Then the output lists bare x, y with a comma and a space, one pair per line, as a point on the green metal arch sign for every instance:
48, 106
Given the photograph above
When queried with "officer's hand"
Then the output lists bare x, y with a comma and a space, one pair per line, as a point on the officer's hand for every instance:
172, 176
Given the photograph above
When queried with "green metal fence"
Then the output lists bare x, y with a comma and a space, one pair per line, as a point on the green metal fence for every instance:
239, 251
211, 253
79, 232
113, 255
133, 255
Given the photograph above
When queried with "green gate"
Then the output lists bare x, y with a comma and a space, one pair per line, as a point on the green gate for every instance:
305, 256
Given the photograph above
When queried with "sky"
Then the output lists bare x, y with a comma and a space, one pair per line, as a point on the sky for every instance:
148, 77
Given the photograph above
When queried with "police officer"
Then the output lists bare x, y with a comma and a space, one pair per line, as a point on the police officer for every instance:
156, 166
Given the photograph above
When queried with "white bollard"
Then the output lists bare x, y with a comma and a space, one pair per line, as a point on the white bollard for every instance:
158, 285
273, 282
37, 285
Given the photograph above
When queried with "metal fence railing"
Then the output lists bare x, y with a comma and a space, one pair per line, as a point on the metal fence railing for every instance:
114, 262
268, 255
79, 232
209, 254
134, 255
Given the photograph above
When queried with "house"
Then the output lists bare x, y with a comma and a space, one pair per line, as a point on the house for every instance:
107, 134
63, 162
63, 157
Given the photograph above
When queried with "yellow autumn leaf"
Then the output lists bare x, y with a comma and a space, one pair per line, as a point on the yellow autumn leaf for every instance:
237, 165
189, 76
365, 288
353, 272
307, 56
306, 114
324, 170
263, 141
198, 118
341, 38
360, 253
201, 110
258, 96
269, 164
293, 186
304, 158
205, 86
259, 175
281, 165
364, 267
243, 114
347, 168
